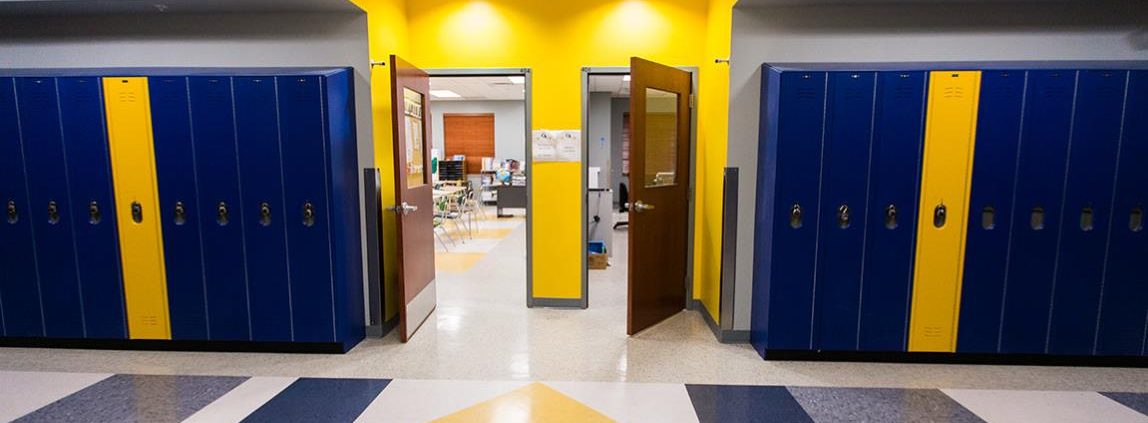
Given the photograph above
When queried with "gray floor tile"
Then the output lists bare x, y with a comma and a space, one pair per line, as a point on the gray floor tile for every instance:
884, 405
135, 398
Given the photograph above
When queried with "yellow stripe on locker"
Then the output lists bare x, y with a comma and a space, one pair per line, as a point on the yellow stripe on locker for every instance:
137, 199
950, 134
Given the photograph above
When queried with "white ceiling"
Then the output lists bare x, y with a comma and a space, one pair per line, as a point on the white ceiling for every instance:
616, 85
81, 7
478, 88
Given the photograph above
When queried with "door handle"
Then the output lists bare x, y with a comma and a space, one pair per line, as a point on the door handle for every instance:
405, 208
180, 213
795, 216
222, 214
13, 214
94, 215
940, 216
640, 206
53, 213
308, 214
137, 212
265, 214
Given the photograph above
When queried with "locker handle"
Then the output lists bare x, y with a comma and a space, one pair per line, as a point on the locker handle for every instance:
13, 214
1136, 219
94, 215
988, 218
843, 218
222, 214
265, 214
137, 212
940, 216
180, 214
1037, 219
891, 217
1086, 219
795, 216
308, 214
53, 213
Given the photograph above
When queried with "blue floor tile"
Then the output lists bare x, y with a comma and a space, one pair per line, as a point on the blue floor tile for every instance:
1135, 401
728, 403
315, 400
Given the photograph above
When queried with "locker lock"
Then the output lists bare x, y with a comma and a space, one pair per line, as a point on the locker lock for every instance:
222, 213
795, 216
891, 216
180, 213
13, 215
308, 214
1086, 220
843, 216
94, 215
53, 213
1135, 219
265, 214
137, 212
940, 215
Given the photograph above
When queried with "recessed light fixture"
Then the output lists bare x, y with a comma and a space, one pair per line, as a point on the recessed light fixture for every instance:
444, 94
625, 78
517, 79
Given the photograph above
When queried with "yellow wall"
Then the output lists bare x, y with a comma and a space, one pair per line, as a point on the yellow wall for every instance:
556, 39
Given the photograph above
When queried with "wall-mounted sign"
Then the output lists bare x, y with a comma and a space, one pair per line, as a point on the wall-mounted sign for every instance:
557, 146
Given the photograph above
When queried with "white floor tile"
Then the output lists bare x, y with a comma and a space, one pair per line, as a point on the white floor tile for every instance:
24, 392
633, 402
241, 401
424, 400
996, 406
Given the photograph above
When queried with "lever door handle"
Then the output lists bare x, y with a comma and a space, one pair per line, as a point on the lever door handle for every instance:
94, 214
405, 208
53, 213
265, 214
640, 206
13, 214
795, 216
308, 214
137, 212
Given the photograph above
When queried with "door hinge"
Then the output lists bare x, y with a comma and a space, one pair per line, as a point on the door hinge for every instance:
693, 101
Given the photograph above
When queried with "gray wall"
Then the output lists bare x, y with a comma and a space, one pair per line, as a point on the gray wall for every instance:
509, 124
599, 145
909, 32
205, 40
618, 107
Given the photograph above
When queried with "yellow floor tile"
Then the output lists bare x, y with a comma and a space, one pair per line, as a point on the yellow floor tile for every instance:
491, 233
532, 403
456, 262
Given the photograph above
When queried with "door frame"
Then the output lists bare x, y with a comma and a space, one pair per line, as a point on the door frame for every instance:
587, 72
528, 98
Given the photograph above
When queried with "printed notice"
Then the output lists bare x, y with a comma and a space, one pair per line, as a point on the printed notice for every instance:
570, 146
544, 146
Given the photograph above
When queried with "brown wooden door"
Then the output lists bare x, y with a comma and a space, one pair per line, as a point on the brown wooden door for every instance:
659, 189
413, 195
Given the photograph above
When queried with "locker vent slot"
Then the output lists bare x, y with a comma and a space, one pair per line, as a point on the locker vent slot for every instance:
1086, 219
905, 92
795, 216
891, 217
988, 218
954, 92
1136, 220
1037, 219
807, 94
13, 214
1055, 92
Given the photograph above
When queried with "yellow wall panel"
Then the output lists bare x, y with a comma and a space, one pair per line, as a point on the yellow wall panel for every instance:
137, 199
950, 134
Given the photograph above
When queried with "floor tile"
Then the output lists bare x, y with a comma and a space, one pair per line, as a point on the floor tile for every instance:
315, 400
729, 403
633, 402
456, 262
535, 402
137, 398
234, 406
886, 405
1135, 401
24, 392
996, 406
411, 401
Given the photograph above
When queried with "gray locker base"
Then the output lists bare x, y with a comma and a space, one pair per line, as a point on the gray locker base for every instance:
190, 346
955, 358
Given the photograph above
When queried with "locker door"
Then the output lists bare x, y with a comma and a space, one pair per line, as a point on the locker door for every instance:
93, 214
306, 215
840, 246
20, 314
261, 182
950, 134
799, 139
990, 208
179, 207
891, 227
221, 213
1039, 190
1087, 211
50, 206
1124, 305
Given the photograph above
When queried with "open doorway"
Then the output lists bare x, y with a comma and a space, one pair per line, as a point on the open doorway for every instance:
607, 142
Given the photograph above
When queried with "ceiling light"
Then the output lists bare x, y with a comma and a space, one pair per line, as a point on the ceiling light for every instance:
444, 94
625, 78
517, 79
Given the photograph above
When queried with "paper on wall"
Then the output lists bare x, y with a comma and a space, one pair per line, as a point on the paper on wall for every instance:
543, 146
570, 146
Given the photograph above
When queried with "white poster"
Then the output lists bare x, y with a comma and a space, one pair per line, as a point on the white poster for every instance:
543, 146
570, 146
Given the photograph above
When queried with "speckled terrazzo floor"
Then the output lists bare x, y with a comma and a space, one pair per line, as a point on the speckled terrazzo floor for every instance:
483, 331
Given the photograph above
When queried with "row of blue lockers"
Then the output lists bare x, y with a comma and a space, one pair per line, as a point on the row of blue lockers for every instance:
254, 200
1053, 258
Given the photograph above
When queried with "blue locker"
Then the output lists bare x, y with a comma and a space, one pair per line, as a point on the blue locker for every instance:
791, 152
1124, 304
891, 226
1039, 193
346, 232
845, 167
306, 214
217, 181
181, 210
50, 206
990, 209
1087, 211
20, 313
93, 206
261, 182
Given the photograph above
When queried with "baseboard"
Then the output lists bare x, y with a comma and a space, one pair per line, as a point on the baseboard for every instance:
177, 345
723, 336
957, 358
557, 302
